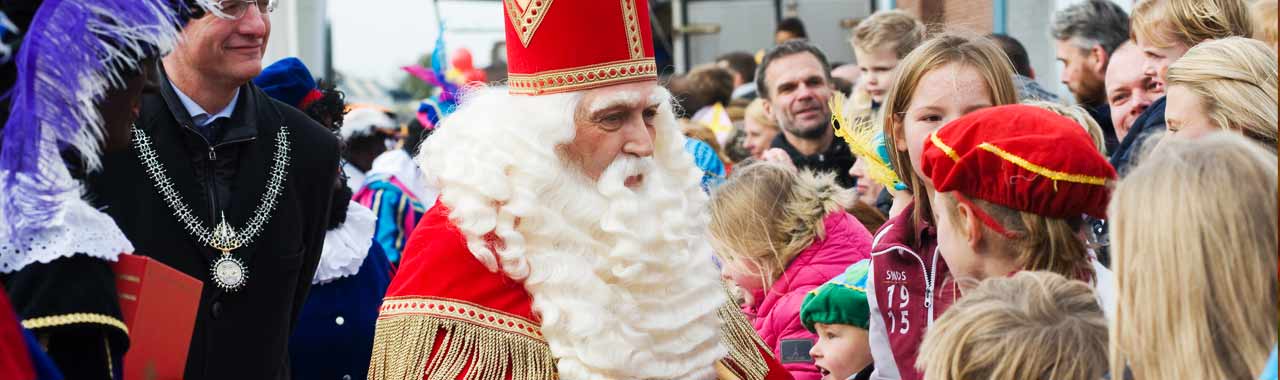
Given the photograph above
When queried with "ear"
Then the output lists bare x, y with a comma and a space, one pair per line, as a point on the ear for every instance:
1032, 72
968, 222
768, 108
900, 138
1098, 59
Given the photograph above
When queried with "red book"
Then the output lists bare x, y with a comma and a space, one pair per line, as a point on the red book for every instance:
159, 305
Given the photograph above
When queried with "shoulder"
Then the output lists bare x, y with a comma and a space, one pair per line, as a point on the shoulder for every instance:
843, 228
314, 135
894, 232
437, 260
316, 147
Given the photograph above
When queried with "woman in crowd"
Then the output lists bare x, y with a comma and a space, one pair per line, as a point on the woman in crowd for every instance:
779, 234
1167, 29
1227, 84
760, 130
945, 78
1194, 245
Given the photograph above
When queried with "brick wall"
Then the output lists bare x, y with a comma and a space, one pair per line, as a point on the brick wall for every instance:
969, 14
974, 15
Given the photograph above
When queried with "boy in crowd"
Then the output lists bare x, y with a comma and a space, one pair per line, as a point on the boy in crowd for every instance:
879, 42
837, 311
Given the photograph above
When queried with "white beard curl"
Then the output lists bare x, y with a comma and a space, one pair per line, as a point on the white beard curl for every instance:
622, 280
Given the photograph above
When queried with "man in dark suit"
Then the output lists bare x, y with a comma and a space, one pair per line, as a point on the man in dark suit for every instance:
228, 186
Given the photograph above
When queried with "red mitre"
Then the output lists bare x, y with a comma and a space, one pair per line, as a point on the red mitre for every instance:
558, 46
1022, 157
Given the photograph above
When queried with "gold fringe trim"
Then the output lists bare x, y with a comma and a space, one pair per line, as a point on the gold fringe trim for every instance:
74, 319
743, 342
403, 345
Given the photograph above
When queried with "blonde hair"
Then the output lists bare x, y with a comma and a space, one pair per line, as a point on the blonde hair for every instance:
893, 29
1033, 325
1235, 78
1048, 244
1264, 21
1080, 116
1164, 23
767, 213
973, 51
1194, 252
755, 113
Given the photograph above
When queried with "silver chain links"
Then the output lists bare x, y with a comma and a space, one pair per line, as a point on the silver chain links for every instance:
192, 224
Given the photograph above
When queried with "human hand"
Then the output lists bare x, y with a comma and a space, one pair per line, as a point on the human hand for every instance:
779, 156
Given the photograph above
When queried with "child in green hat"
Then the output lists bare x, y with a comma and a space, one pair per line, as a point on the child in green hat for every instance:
837, 312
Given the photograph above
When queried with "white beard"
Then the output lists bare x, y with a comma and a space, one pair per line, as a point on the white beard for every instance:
622, 280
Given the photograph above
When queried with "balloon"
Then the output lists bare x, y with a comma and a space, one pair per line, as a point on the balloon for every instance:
454, 76
461, 60
475, 75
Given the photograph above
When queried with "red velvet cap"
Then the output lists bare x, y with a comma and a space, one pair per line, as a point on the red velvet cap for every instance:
558, 46
1022, 157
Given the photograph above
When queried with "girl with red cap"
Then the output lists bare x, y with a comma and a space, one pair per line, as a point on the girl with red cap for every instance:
1012, 186
944, 78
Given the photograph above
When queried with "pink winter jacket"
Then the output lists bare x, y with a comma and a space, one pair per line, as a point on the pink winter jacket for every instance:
776, 314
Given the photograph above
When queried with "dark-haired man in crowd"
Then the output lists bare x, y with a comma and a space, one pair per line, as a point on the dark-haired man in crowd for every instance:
1025, 76
788, 29
795, 82
743, 67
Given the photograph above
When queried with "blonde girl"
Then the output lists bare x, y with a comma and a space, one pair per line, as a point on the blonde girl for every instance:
1194, 243
1166, 29
942, 79
760, 130
1224, 84
1012, 186
1033, 325
780, 233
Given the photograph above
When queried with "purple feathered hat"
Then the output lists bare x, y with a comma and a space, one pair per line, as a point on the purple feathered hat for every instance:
70, 55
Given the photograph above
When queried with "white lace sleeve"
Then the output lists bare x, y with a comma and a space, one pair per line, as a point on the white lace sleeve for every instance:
80, 229
345, 247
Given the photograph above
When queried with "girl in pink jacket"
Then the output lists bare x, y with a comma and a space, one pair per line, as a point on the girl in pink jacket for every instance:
780, 234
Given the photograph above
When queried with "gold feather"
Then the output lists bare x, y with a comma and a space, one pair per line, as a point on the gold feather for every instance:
863, 137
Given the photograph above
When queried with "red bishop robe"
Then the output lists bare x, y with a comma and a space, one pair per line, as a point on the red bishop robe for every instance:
448, 317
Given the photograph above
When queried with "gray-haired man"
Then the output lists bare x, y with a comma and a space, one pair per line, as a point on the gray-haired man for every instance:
1087, 33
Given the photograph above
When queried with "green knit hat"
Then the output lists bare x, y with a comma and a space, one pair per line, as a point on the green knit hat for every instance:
840, 301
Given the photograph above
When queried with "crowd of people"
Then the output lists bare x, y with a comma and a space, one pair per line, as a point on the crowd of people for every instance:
926, 212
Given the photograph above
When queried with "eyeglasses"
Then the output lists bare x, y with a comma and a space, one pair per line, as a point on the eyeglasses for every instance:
235, 9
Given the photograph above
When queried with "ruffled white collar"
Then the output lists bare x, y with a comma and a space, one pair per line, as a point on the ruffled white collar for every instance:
346, 247
78, 229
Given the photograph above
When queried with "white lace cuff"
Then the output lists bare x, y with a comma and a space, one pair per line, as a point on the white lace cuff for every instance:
81, 229
346, 247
